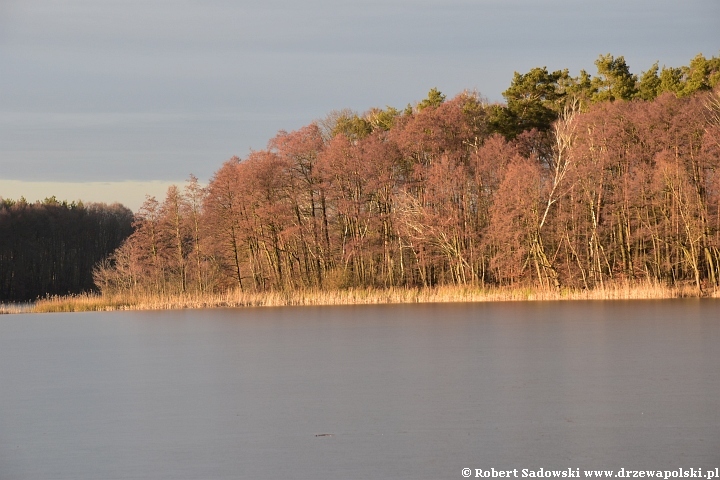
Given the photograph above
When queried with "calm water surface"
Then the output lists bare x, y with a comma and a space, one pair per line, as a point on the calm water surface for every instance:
410, 391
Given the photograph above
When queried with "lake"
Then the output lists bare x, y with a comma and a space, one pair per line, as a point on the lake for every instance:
366, 392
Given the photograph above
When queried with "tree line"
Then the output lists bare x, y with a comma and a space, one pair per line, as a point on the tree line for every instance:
573, 181
51, 247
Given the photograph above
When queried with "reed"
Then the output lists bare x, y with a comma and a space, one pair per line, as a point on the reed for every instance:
357, 296
11, 308
85, 302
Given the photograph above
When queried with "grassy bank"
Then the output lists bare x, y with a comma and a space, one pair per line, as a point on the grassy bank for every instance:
356, 296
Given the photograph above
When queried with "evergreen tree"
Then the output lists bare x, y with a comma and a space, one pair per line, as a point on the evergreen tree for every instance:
671, 80
434, 99
580, 88
649, 84
534, 100
696, 75
614, 80
382, 119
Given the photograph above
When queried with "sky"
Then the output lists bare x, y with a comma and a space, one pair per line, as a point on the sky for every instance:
113, 100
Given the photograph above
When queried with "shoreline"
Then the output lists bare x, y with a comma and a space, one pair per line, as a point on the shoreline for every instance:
353, 296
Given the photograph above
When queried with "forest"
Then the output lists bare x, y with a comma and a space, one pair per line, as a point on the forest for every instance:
51, 247
573, 182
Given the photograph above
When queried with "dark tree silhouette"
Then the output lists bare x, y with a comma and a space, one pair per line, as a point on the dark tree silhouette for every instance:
51, 247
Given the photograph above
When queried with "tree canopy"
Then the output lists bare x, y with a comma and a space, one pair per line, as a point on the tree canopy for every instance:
575, 181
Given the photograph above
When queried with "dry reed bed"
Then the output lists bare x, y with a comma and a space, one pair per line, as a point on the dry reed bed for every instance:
353, 296
16, 308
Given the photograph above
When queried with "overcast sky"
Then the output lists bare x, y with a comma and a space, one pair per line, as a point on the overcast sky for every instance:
145, 92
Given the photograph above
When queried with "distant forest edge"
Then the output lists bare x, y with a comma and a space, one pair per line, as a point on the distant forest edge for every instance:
51, 247
578, 182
